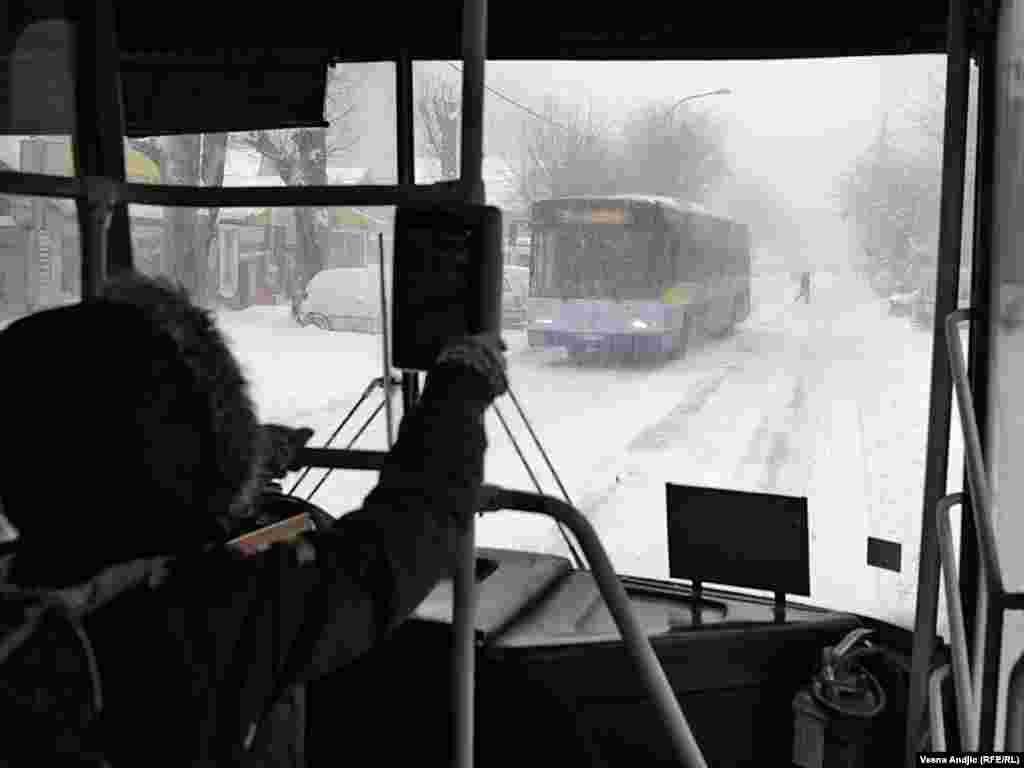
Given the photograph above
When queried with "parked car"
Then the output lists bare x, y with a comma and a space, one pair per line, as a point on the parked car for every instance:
348, 299
513, 297
341, 299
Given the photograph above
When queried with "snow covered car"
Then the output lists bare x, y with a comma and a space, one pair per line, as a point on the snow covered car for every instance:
515, 289
342, 299
901, 301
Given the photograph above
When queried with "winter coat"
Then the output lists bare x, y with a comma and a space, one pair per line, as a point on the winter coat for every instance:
189, 668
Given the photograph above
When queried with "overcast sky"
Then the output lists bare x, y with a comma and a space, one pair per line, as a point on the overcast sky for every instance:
797, 123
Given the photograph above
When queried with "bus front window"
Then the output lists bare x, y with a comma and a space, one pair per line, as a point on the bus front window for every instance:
614, 264
826, 399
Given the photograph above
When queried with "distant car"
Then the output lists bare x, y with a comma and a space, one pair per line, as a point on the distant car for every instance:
348, 299
341, 299
513, 297
521, 249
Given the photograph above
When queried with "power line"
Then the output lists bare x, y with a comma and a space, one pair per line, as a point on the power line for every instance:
515, 103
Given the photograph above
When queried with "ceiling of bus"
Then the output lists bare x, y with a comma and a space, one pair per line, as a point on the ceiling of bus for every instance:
177, 76
531, 29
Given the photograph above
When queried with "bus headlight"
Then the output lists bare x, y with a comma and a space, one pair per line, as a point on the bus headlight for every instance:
640, 325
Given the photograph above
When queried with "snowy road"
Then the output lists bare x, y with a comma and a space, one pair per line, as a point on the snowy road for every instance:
827, 400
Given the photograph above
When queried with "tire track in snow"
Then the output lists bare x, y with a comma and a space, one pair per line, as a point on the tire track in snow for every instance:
672, 426
625, 469
775, 442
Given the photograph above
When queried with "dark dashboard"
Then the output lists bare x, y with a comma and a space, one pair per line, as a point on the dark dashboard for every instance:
556, 686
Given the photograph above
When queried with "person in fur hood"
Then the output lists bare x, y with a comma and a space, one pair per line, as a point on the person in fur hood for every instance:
129, 433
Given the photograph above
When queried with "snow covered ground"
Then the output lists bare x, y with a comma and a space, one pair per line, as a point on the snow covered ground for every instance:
827, 400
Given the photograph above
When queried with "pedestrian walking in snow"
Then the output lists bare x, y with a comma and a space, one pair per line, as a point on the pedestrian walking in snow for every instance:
805, 288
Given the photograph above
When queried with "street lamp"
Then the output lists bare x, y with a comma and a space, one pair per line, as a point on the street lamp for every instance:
719, 92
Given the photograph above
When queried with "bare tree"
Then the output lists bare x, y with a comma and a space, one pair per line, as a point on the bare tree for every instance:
928, 113
299, 156
892, 195
566, 151
674, 152
191, 160
211, 168
439, 105
569, 151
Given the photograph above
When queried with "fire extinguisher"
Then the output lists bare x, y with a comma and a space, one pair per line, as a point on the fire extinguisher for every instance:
834, 714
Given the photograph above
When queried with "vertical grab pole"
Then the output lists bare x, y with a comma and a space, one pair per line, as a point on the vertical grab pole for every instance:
386, 351
98, 145
474, 42
406, 177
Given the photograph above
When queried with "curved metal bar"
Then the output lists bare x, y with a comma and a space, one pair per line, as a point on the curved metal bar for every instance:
1015, 709
938, 725
635, 639
966, 701
981, 497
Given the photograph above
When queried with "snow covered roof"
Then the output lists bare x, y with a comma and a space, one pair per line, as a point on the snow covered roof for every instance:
340, 175
242, 162
686, 206
10, 150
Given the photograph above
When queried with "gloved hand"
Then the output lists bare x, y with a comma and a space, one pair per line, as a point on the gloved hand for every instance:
483, 353
280, 446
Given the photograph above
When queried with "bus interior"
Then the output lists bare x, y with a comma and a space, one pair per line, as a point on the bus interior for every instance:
712, 618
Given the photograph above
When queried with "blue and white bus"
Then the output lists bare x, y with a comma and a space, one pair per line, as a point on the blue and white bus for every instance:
633, 275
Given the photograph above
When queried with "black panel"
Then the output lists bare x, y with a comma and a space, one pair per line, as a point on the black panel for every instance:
447, 278
172, 101
742, 539
37, 76
531, 29
170, 86
884, 554
581, 706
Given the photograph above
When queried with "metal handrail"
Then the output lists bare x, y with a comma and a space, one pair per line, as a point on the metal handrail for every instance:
968, 699
38, 184
992, 599
638, 644
1015, 709
935, 708
977, 477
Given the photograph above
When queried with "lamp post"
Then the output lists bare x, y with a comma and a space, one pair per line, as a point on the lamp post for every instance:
668, 112
719, 92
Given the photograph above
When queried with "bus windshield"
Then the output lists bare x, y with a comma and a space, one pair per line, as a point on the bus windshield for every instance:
596, 262
799, 312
